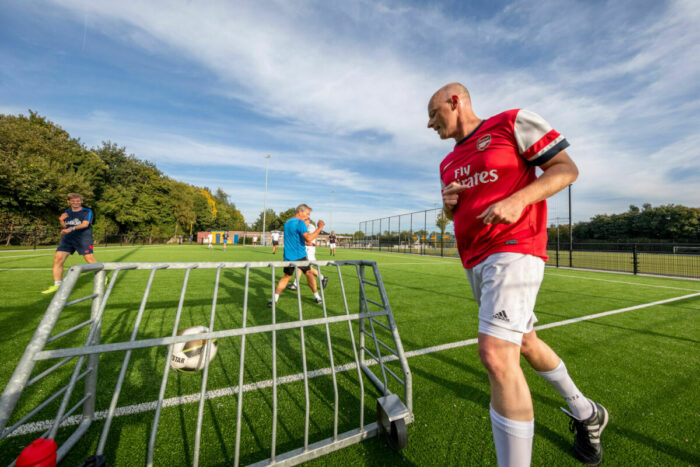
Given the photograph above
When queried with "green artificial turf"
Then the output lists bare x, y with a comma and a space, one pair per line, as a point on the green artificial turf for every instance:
641, 364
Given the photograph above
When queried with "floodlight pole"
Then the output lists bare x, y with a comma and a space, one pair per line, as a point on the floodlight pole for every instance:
332, 202
264, 240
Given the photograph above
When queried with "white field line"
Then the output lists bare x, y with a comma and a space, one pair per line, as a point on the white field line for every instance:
26, 269
450, 259
446, 259
97, 250
421, 263
622, 282
44, 425
157, 245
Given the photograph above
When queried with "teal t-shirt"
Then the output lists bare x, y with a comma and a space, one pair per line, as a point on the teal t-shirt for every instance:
294, 248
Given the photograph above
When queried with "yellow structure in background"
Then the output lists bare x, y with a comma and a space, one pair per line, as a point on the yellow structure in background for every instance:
217, 237
210, 200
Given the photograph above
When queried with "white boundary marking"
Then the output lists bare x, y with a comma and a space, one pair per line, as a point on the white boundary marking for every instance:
622, 282
26, 269
229, 391
97, 250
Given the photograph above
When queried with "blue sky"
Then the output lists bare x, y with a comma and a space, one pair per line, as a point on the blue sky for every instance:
337, 92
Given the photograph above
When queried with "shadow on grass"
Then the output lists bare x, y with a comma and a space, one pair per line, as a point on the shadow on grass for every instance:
16, 317
645, 331
483, 398
668, 449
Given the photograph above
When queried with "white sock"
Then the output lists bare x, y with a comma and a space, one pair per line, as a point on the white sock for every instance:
277, 297
316, 295
580, 407
57, 282
513, 440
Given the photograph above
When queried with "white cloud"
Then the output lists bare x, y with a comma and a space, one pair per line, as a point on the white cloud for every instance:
610, 80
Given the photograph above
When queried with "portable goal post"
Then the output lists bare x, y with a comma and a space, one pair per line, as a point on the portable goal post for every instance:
86, 392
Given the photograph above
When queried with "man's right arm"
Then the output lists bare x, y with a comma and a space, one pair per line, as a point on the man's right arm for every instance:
62, 219
310, 237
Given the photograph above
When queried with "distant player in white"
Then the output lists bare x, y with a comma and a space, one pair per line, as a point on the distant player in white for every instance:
332, 240
210, 238
255, 241
275, 240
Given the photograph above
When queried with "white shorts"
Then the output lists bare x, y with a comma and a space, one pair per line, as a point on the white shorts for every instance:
332, 245
505, 287
311, 253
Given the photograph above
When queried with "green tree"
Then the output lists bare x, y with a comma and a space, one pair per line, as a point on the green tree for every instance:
284, 216
39, 164
182, 199
270, 221
442, 221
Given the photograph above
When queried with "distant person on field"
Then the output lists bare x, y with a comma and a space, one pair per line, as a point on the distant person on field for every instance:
332, 240
225, 240
295, 236
210, 238
491, 191
255, 241
275, 235
75, 236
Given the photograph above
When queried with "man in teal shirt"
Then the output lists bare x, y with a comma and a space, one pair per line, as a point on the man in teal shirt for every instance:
295, 237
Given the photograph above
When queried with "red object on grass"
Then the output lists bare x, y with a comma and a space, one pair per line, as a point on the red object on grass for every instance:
41, 453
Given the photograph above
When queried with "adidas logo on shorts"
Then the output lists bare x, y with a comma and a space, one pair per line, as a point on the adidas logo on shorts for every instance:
502, 316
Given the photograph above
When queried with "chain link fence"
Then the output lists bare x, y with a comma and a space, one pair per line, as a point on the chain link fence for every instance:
426, 232
42, 238
429, 233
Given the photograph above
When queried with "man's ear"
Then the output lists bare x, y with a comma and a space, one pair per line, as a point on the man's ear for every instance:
454, 100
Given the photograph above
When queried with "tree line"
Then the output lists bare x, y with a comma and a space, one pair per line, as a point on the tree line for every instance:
666, 223
273, 221
649, 224
40, 163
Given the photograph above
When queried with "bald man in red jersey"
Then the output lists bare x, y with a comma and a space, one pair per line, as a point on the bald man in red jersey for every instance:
492, 193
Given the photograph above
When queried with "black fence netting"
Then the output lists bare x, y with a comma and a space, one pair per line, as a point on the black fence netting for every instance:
48, 238
669, 259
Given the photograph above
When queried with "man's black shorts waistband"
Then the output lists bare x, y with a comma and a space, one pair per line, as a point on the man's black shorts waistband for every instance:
289, 270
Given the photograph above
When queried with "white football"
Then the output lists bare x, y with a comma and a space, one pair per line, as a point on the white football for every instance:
191, 355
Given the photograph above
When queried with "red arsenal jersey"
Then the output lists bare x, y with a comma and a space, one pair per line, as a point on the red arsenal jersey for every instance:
497, 159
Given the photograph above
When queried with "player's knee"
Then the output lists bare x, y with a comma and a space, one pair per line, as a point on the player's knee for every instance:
499, 357
492, 360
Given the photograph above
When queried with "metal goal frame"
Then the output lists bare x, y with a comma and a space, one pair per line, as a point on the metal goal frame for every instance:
393, 412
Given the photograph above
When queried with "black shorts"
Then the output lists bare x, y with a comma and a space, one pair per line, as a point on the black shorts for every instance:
76, 241
289, 270
275, 243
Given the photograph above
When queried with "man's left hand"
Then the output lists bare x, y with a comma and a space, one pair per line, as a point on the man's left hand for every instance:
505, 211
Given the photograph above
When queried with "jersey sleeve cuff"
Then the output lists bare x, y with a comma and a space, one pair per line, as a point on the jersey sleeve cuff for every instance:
550, 153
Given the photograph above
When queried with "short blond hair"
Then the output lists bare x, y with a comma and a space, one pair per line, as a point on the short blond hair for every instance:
74, 195
303, 207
